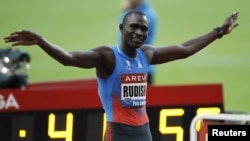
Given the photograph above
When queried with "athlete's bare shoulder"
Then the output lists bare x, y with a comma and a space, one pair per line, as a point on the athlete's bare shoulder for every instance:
148, 51
108, 61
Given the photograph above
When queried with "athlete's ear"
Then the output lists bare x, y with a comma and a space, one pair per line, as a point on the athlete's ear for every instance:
121, 27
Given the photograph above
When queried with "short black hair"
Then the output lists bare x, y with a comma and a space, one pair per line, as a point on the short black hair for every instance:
131, 12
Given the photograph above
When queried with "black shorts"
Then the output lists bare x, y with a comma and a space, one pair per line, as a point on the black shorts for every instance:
123, 132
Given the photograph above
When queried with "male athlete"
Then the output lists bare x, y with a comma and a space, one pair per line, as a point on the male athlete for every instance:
122, 70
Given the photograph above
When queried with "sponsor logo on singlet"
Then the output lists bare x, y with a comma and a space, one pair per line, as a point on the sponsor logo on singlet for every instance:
133, 89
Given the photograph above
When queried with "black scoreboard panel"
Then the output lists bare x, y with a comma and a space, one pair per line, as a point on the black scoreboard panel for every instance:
73, 113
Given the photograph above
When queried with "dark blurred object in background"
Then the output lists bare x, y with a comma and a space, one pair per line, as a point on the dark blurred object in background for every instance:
14, 66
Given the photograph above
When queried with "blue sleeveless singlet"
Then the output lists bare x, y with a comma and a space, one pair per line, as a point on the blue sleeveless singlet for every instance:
123, 93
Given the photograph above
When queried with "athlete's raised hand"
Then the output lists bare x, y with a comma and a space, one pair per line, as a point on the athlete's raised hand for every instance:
230, 23
22, 37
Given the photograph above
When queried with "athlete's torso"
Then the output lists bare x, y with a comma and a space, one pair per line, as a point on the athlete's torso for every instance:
123, 93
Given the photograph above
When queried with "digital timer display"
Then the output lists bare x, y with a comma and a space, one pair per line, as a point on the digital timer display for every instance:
71, 111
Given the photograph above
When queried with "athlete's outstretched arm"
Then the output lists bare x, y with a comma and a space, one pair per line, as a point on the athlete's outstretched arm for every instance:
84, 59
190, 47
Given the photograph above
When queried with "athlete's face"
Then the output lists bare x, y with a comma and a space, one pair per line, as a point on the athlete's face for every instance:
134, 31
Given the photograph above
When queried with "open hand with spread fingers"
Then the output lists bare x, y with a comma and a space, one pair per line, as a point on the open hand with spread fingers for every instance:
230, 23
22, 37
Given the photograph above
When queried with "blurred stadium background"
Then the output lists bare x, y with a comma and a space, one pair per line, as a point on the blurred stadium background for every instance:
81, 25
